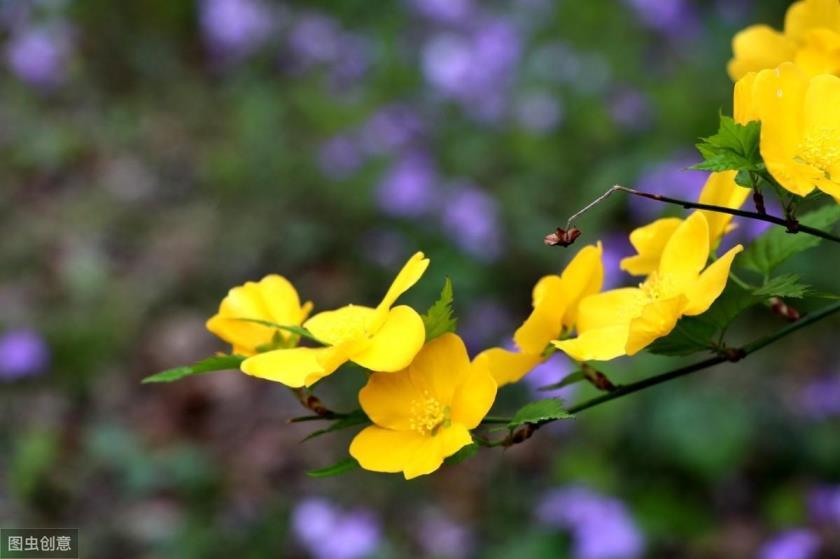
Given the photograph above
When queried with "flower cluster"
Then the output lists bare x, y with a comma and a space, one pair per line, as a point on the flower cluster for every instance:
425, 397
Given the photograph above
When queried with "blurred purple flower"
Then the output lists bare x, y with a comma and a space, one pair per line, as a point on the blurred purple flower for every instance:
677, 19
39, 55
471, 218
793, 544
339, 157
630, 109
439, 536
734, 11
23, 353
327, 532
409, 188
353, 60
550, 372
824, 504
616, 246
601, 527
384, 247
820, 398
483, 324
314, 39
670, 178
235, 28
538, 112
474, 67
443, 11
391, 128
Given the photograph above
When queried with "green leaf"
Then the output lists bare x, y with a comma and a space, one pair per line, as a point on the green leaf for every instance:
786, 285
337, 469
356, 417
299, 330
209, 365
439, 318
571, 378
733, 147
697, 333
777, 245
541, 410
466, 452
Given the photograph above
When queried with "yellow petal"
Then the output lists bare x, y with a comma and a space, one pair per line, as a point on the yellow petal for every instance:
610, 308
508, 366
821, 138
600, 344
291, 367
710, 284
649, 241
431, 452
395, 344
744, 109
273, 299
820, 54
779, 95
758, 47
721, 190
334, 327
474, 397
806, 15
583, 276
383, 450
546, 319
440, 367
686, 252
387, 399
410, 274
658, 318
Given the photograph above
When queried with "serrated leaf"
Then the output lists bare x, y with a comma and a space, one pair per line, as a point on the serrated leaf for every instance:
354, 418
439, 318
733, 147
571, 378
541, 410
465, 453
777, 245
337, 469
697, 333
209, 365
786, 285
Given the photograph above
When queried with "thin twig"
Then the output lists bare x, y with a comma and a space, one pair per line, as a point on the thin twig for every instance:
791, 224
732, 354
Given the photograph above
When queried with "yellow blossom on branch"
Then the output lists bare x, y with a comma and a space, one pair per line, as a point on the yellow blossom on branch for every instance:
385, 338
272, 299
423, 413
624, 321
555, 301
650, 240
800, 126
811, 40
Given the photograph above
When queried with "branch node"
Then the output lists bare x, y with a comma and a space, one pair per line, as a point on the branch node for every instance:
733, 354
598, 379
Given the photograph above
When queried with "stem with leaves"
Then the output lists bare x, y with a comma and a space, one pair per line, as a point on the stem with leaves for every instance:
729, 354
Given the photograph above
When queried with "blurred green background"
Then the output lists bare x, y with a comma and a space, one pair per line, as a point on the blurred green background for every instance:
155, 153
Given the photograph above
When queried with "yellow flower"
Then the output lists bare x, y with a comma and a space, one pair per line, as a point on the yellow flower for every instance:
811, 39
423, 413
380, 339
624, 321
555, 301
800, 126
649, 241
272, 299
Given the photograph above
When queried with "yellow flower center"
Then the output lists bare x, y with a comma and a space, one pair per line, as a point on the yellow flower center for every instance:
428, 414
657, 286
819, 148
